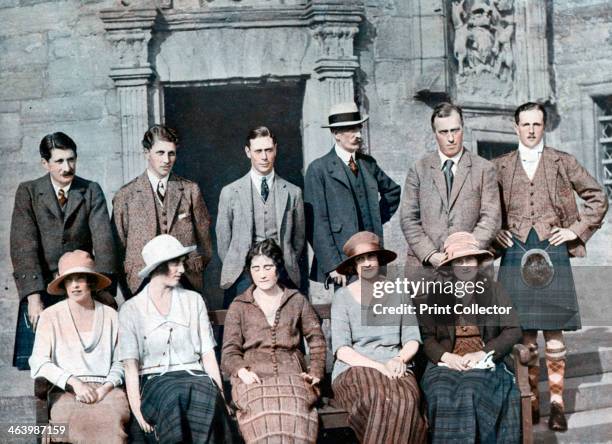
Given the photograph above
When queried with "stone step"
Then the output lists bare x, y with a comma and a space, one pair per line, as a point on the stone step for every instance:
589, 352
592, 427
581, 393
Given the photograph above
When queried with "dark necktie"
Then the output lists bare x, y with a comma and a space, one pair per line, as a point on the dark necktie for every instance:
353, 166
161, 191
265, 191
448, 175
61, 198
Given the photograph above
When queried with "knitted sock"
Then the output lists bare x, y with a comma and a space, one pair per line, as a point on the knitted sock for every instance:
556, 375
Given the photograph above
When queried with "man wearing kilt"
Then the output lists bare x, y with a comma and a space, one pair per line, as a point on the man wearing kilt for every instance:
542, 228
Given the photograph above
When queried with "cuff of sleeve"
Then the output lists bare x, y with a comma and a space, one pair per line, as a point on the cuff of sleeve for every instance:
429, 255
116, 382
63, 380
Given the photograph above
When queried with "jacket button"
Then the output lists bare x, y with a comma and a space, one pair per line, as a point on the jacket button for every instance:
23, 276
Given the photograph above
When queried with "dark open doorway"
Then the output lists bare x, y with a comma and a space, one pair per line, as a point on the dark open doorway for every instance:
213, 121
491, 150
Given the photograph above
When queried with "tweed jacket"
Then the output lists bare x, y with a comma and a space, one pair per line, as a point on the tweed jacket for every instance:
249, 341
498, 332
564, 175
235, 226
331, 215
134, 224
427, 217
41, 233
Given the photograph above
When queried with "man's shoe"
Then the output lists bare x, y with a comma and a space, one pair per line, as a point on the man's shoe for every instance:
556, 420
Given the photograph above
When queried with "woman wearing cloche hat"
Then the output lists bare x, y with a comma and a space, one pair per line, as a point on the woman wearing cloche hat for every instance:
370, 377
75, 350
471, 395
167, 348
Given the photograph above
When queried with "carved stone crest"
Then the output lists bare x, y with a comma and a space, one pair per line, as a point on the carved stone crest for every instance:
483, 43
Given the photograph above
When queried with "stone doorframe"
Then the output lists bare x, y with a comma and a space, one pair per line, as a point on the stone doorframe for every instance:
158, 47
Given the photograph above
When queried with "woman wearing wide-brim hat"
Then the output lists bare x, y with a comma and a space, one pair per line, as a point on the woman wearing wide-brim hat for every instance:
75, 350
370, 377
471, 397
167, 348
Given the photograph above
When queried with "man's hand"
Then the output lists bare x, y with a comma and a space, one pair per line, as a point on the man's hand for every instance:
504, 238
309, 378
436, 258
338, 278
472, 358
248, 377
454, 361
561, 235
35, 308
83, 391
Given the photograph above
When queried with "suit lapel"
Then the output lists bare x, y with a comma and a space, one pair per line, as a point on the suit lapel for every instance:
371, 185
336, 169
281, 199
551, 168
438, 176
45, 189
75, 198
464, 167
506, 175
173, 198
146, 201
245, 196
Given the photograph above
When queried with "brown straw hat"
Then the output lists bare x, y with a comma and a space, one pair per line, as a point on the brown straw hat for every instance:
361, 243
77, 261
462, 244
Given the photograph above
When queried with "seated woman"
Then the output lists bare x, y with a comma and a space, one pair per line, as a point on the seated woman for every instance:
370, 377
264, 328
167, 348
467, 404
75, 350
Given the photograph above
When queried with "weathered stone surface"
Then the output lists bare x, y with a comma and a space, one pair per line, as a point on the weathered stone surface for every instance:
24, 82
11, 132
24, 49
71, 108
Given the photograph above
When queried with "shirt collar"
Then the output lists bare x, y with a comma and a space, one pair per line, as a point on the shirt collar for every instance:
455, 158
57, 187
343, 154
155, 180
256, 177
531, 153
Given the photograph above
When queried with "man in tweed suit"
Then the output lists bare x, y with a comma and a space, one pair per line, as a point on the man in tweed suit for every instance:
160, 202
258, 206
540, 215
54, 214
345, 192
447, 191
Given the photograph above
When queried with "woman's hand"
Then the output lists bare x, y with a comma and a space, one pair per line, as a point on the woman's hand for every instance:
312, 380
384, 370
454, 361
472, 358
396, 367
247, 376
84, 392
104, 390
144, 425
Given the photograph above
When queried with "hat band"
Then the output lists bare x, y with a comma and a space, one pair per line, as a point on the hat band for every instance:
364, 248
344, 117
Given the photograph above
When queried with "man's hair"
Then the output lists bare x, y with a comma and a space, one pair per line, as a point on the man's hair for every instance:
259, 131
527, 107
339, 129
445, 109
159, 133
56, 141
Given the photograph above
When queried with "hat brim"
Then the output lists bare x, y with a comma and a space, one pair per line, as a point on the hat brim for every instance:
385, 257
476, 253
55, 286
350, 123
149, 268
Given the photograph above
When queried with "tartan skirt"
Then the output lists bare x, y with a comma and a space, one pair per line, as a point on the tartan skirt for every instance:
280, 409
472, 406
183, 408
381, 410
24, 334
554, 307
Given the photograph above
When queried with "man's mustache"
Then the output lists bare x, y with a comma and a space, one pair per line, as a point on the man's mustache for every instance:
68, 174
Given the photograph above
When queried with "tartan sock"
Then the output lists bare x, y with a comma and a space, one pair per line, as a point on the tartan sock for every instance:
534, 378
556, 374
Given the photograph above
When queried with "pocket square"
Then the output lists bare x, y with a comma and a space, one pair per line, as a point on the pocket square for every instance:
183, 216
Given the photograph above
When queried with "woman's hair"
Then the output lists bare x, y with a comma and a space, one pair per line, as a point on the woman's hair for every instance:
91, 283
164, 267
268, 248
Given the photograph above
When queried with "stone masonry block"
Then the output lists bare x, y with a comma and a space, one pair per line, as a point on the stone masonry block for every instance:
65, 109
24, 82
23, 49
10, 132
393, 38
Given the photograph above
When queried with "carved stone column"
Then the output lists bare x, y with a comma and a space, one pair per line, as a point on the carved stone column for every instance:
129, 31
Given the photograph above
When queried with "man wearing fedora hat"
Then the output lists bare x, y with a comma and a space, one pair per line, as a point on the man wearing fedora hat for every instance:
447, 191
258, 206
53, 214
160, 202
345, 192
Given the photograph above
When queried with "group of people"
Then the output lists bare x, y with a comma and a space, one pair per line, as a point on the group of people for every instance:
457, 210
